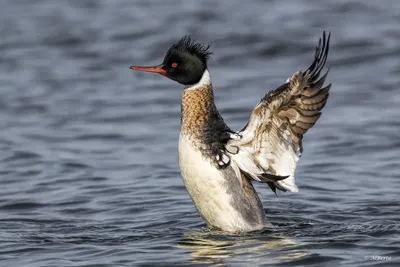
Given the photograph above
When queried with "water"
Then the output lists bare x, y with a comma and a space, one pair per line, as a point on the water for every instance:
88, 170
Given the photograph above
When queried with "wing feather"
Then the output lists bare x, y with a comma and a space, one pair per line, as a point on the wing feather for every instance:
270, 145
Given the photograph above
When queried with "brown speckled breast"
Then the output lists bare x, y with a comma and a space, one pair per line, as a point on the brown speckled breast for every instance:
201, 121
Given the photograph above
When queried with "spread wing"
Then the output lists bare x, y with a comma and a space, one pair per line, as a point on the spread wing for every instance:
269, 147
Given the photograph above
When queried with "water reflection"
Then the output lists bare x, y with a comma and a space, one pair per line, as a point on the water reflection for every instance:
257, 248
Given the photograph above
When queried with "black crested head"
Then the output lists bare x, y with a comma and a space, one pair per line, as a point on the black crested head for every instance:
187, 45
184, 62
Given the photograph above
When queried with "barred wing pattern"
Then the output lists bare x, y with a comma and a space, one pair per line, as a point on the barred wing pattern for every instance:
269, 147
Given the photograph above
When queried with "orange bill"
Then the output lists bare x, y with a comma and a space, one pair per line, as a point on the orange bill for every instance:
155, 69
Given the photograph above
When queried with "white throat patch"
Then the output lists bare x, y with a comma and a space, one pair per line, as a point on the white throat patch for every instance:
204, 81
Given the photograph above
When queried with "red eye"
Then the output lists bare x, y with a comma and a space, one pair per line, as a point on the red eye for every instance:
174, 65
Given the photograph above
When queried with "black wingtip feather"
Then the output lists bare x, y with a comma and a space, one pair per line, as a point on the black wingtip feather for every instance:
273, 188
321, 55
267, 177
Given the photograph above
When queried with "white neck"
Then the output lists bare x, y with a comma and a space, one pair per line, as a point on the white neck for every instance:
204, 81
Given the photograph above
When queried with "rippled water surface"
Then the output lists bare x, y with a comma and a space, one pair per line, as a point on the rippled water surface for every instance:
88, 167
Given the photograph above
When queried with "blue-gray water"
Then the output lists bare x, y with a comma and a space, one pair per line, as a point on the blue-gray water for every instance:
88, 168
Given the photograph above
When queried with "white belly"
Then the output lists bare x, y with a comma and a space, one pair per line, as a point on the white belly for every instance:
209, 190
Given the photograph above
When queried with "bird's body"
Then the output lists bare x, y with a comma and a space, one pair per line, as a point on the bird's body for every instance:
217, 193
217, 164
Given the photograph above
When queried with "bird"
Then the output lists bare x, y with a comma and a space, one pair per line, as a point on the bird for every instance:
219, 165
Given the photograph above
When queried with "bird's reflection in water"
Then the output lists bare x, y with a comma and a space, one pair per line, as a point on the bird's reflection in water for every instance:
257, 248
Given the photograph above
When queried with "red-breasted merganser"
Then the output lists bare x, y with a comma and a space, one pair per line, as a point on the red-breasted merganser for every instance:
219, 165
